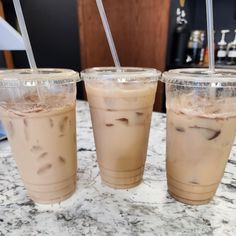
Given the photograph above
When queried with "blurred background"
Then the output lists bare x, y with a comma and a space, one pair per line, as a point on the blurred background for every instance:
163, 34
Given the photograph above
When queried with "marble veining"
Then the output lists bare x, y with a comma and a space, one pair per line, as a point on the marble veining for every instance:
99, 210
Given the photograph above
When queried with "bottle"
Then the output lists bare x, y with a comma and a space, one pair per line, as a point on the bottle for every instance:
194, 48
221, 48
206, 57
181, 36
203, 49
231, 52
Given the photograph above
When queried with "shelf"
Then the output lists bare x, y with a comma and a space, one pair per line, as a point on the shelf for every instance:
232, 67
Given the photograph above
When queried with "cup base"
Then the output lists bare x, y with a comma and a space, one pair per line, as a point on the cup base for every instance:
121, 186
121, 179
54, 193
191, 193
189, 201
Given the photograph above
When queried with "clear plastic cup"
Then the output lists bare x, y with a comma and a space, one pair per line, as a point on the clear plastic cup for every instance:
2, 132
121, 103
201, 121
37, 108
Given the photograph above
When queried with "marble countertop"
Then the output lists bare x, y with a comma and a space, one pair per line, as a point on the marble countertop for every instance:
99, 210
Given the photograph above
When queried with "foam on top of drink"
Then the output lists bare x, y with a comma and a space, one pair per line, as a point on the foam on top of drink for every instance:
31, 103
115, 89
199, 92
120, 96
195, 105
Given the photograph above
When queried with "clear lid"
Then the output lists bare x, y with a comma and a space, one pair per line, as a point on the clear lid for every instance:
200, 77
122, 74
29, 77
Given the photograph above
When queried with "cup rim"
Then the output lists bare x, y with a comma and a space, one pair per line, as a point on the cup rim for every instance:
122, 74
200, 76
61, 75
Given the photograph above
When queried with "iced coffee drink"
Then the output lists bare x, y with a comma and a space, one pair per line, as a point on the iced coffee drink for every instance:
41, 129
121, 105
201, 121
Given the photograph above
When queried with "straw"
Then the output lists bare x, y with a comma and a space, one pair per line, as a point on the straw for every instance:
210, 35
26, 40
108, 32
24, 33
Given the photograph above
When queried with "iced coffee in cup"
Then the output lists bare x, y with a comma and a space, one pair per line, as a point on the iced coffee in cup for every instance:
201, 121
37, 108
121, 103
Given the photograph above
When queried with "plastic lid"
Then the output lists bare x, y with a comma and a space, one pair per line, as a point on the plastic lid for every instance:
122, 74
36, 77
200, 77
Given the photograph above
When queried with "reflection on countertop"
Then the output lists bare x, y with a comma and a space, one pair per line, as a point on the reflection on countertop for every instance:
99, 210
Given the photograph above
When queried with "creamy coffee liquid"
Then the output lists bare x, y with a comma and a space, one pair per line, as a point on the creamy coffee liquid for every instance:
198, 147
44, 146
121, 122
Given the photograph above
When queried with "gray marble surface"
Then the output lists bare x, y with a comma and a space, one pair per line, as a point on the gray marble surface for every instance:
99, 210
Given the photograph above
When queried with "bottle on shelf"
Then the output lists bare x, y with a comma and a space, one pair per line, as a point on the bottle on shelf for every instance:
203, 49
181, 36
193, 52
222, 49
231, 52
206, 56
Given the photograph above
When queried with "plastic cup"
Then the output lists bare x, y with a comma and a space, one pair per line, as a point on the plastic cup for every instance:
1, 129
121, 103
201, 121
37, 108
2, 132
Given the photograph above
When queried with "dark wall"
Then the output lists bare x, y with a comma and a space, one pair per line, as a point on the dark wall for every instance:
224, 17
53, 30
